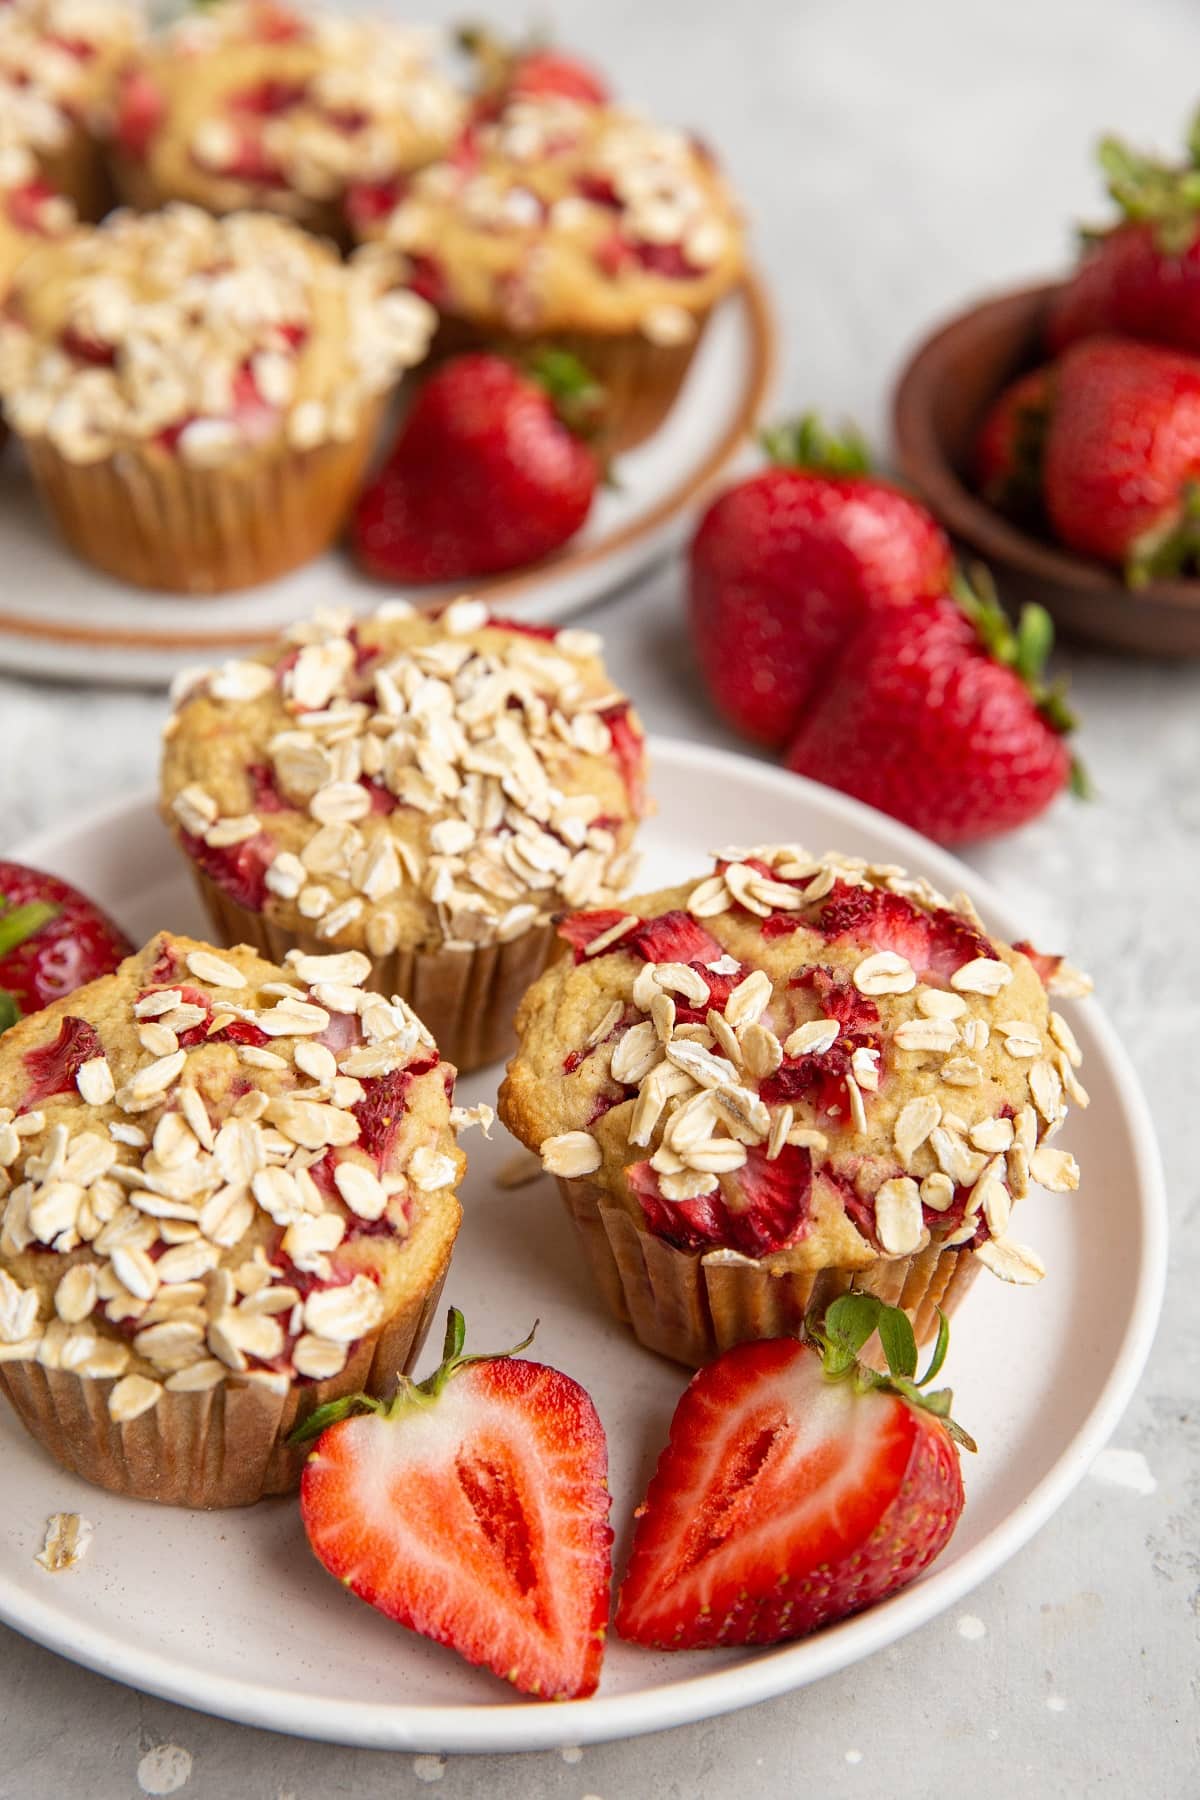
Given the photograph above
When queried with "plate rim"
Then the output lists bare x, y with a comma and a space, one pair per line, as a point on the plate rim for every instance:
526, 1726
633, 537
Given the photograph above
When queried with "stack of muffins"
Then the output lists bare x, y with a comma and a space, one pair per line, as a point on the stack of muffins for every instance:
198, 386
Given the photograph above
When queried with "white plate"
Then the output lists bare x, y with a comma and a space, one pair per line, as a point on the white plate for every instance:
60, 617
230, 1613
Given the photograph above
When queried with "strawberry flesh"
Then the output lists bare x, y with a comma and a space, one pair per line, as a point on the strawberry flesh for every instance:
782, 1502
478, 1518
765, 1205
239, 869
53, 939
629, 748
673, 937
52, 1067
936, 944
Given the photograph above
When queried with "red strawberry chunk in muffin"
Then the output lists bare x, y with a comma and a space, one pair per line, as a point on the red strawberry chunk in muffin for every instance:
240, 870
673, 937
53, 1067
935, 944
764, 1206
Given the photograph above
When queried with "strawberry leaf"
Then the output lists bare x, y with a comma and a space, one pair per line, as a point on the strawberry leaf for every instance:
332, 1413
577, 396
10, 1012
850, 1320
939, 1350
804, 443
23, 922
899, 1344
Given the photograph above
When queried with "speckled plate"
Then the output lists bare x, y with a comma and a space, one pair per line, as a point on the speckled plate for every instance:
228, 1612
59, 617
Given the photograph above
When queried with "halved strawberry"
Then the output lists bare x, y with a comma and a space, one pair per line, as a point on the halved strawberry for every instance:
797, 1487
53, 939
764, 1205
473, 1508
52, 1067
936, 944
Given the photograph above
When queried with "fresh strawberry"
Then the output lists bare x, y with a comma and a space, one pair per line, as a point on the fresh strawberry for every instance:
141, 109
52, 1067
472, 1508
797, 1488
486, 473
761, 1207
785, 565
937, 713
1122, 464
1011, 443
553, 72
1142, 276
53, 939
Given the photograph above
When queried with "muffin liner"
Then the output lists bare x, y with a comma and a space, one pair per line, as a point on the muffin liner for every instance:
222, 1448
150, 519
642, 380
466, 998
78, 171
691, 1306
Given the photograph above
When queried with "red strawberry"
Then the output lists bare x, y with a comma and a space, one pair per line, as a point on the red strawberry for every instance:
785, 565
1011, 443
1122, 466
485, 474
52, 1067
141, 109
942, 719
1142, 277
53, 939
473, 1508
673, 937
796, 1488
26, 207
241, 869
761, 1207
936, 944
554, 72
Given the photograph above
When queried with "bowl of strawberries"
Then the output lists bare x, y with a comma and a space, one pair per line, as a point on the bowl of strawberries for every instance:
1056, 429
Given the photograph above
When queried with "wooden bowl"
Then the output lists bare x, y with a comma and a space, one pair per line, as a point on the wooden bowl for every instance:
940, 402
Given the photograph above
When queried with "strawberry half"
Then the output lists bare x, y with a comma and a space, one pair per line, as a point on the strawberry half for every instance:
473, 1508
797, 1487
53, 939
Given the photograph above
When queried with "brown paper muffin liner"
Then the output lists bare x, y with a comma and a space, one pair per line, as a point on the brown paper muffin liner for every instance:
467, 998
152, 520
78, 170
691, 1307
226, 1447
642, 380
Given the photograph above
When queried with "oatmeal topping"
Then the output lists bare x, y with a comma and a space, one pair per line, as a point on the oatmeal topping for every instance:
203, 337
451, 780
54, 58
201, 1224
728, 1070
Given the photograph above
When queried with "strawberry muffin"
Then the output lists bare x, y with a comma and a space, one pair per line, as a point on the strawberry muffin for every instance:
198, 397
580, 225
58, 66
253, 104
227, 1196
30, 210
431, 790
794, 1077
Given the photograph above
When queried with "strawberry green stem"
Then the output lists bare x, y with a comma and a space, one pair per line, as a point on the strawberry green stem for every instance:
23, 922
1170, 549
577, 396
1155, 193
10, 1012
804, 443
847, 1325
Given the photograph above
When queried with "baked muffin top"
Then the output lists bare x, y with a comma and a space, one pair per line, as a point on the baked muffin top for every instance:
250, 103
810, 1060
58, 59
556, 215
409, 781
211, 339
30, 211
212, 1169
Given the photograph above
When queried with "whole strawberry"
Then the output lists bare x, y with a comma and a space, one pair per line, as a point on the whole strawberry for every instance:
1010, 445
1122, 457
486, 474
797, 1488
53, 939
1142, 276
530, 71
785, 564
937, 713
473, 1508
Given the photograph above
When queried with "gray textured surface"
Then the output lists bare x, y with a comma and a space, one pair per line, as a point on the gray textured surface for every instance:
896, 159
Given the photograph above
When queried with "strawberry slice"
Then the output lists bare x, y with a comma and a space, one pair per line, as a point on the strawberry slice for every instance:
582, 928
52, 1067
1046, 963
629, 748
797, 1487
936, 944
673, 937
53, 939
473, 1508
765, 1205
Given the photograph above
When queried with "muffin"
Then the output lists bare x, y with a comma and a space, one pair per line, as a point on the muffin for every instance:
58, 65
253, 104
227, 1194
198, 397
30, 210
794, 1077
577, 225
429, 790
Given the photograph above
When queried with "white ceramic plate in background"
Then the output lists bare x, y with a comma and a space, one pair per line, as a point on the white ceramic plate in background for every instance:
229, 1612
62, 618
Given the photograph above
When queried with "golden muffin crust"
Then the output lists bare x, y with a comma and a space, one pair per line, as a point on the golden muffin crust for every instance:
810, 1061
409, 781
58, 60
211, 339
255, 104
30, 211
213, 1169
562, 216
